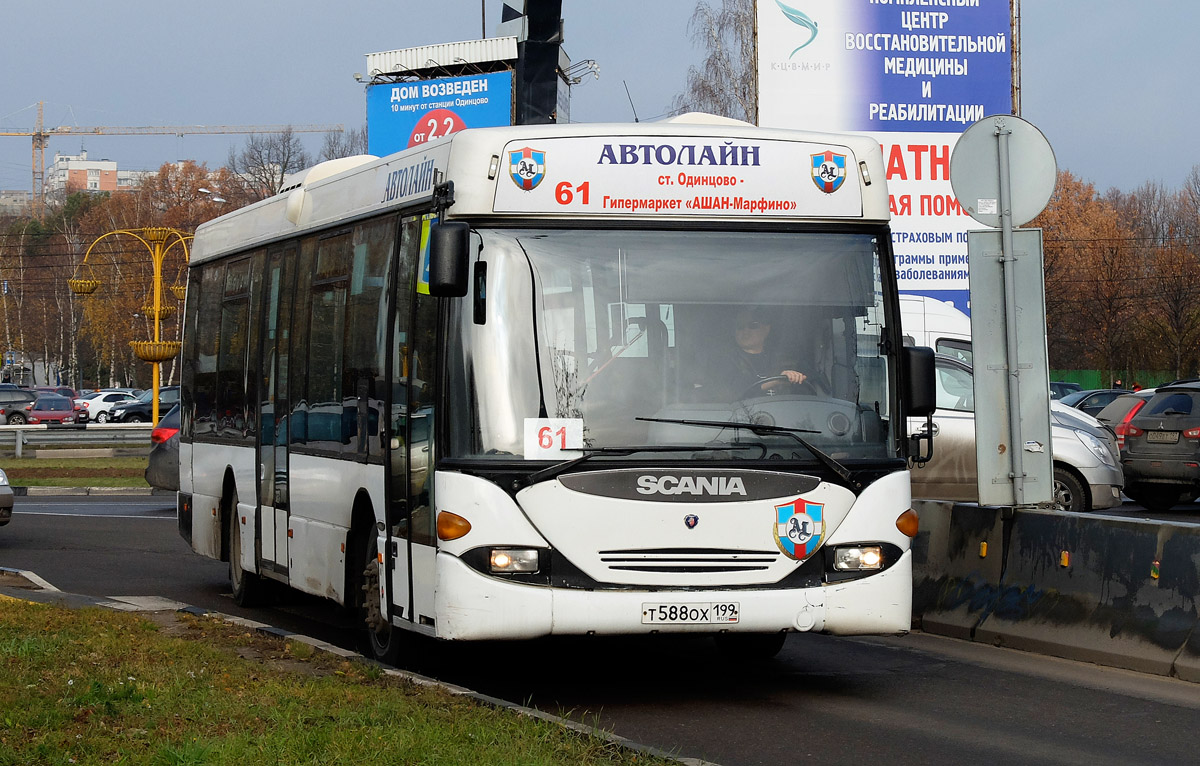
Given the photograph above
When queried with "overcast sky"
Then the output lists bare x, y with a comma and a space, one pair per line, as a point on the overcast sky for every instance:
1111, 83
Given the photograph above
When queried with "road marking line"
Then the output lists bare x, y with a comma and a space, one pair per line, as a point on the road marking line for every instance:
31, 577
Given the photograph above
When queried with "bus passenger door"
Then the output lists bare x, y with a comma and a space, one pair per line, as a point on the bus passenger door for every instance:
273, 432
410, 469
423, 366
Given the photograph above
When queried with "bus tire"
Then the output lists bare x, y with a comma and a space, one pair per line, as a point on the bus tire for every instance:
750, 646
383, 638
248, 588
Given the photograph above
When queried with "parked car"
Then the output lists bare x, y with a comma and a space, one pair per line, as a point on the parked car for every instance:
1087, 470
1161, 452
66, 391
1059, 388
52, 408
1093, 400
99, 404
163, 468
131, 391
12, 404
1117, 413
140, 410
6, 499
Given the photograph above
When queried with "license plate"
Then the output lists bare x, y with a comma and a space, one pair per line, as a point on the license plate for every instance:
1162, 437
715, 613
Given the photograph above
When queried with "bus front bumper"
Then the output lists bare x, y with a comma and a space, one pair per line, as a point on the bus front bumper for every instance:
472, 606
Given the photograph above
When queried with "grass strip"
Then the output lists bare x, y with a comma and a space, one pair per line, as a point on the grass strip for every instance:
76, 472
94, 686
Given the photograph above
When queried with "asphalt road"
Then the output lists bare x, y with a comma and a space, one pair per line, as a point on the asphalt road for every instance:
912, 700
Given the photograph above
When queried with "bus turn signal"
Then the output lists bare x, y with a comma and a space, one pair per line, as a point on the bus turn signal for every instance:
451, 526
908, 523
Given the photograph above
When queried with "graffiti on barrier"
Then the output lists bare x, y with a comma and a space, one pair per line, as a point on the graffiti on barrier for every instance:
1009, 602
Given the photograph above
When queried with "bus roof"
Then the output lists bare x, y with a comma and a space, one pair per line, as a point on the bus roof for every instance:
691, 167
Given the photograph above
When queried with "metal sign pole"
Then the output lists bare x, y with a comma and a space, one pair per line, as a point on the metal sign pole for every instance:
1008, 265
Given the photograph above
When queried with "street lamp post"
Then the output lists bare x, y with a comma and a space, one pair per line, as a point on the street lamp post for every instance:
158, 241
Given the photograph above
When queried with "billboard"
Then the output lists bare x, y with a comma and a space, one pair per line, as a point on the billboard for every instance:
913, 74
405, 114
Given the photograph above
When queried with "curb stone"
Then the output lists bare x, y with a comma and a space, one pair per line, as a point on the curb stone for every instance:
39, 586
85, 491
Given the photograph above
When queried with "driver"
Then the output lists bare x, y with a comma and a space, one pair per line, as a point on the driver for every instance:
751, 359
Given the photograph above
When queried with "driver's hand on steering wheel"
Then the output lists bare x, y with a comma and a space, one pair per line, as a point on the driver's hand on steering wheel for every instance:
792, 376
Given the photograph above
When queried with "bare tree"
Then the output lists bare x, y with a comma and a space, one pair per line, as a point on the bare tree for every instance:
265, 161
1190, 202
1163, 224
344, 144
725, 82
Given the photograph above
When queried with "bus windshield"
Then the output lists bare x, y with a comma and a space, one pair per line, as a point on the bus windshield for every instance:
629, 332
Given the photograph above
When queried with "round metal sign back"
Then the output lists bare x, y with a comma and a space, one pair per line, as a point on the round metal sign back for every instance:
975, 170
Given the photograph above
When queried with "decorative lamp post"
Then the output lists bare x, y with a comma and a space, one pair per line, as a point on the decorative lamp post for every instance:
158, 241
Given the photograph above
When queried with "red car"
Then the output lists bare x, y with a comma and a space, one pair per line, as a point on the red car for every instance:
52, 408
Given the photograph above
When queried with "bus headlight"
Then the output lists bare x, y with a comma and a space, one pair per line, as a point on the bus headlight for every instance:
508, 560
858, 558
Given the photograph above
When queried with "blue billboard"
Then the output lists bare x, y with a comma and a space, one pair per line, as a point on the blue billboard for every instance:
405, 114
883, 65
913, 74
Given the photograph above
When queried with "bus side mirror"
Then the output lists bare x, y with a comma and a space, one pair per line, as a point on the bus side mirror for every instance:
919, 383
449, 248
919, 398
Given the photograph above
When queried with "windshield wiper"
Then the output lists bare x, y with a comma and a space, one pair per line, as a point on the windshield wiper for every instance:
589, 452
840, 470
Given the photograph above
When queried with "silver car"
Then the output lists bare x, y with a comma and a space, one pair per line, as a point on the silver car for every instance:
1087, 468
6, 499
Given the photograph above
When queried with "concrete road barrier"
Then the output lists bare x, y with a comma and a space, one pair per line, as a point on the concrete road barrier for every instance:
958, 557
1118, 592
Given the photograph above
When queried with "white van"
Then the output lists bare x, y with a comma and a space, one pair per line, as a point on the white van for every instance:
929, 322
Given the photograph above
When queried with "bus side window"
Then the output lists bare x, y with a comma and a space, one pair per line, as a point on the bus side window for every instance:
298, 374
327, 422
208, 329
366, 335
233, 347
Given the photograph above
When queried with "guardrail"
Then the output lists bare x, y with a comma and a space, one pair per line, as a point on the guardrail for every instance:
92, 433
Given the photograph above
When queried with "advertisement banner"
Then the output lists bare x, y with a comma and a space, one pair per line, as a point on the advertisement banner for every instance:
913, 74
405, 114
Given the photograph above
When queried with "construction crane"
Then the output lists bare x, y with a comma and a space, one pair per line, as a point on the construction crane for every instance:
41, 136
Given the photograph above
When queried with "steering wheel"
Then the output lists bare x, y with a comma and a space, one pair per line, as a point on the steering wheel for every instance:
755, 390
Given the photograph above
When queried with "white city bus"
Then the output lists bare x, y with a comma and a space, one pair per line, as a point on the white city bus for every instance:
484, 388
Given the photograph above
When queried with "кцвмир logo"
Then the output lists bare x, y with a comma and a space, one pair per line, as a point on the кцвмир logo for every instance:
799, 18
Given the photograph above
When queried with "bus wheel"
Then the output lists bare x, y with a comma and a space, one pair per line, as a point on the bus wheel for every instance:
750, 646
248, 588
384, 638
